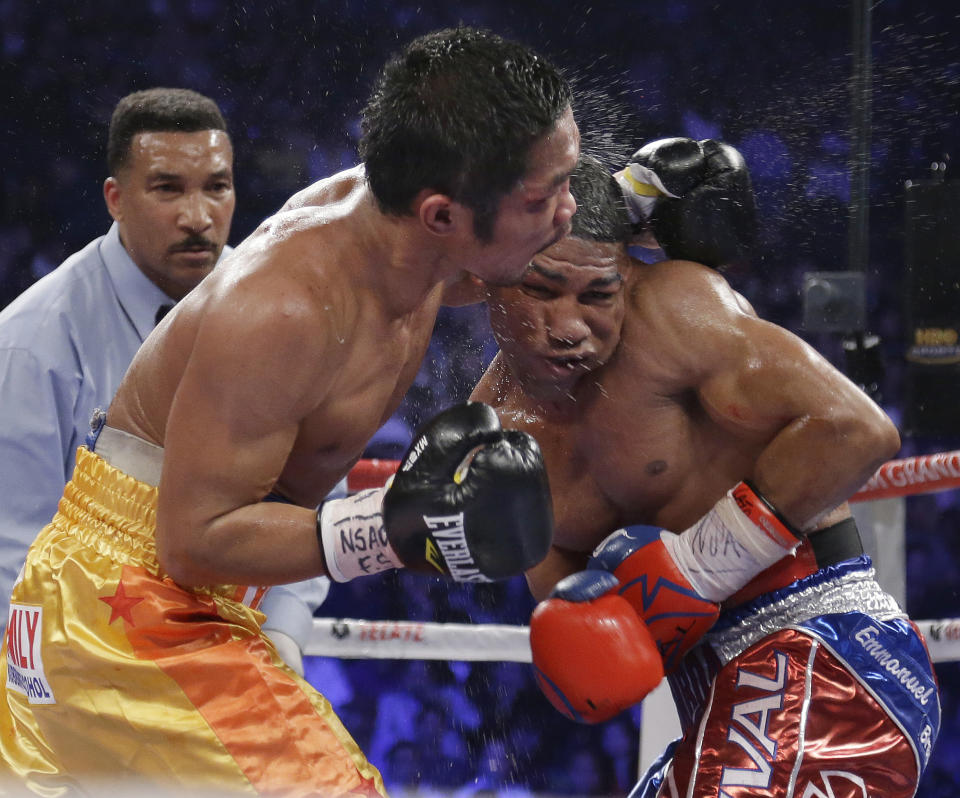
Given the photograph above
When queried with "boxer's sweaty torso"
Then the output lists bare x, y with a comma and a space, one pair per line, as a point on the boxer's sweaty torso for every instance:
636, 444
301, 261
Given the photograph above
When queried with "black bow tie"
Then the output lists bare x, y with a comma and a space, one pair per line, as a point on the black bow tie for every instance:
162, 311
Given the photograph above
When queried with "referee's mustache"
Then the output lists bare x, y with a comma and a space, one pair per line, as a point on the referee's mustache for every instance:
194, 243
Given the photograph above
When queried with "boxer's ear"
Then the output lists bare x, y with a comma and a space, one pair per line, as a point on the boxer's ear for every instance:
440, 214
111, 196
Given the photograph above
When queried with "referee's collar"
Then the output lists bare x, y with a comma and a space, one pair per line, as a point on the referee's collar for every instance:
138, 296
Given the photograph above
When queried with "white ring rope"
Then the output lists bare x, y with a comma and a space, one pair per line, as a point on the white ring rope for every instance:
943, 638
350, 638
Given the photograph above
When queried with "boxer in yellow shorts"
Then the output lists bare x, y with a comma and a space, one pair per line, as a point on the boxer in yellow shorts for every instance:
269, 378
108, 661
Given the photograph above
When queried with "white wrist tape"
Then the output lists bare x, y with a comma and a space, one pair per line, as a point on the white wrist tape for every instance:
724, 550
353, 537
641, 188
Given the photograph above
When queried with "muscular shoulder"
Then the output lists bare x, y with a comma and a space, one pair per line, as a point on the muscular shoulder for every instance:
679, 287
494, 386
684, 322
316, 225
281, 321
681, 299
330, 190
285, 298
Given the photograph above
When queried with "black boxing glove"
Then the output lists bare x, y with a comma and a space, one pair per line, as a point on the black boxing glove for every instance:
695, 197
469, 501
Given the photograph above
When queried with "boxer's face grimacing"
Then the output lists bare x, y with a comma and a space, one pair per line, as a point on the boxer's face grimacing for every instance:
563, 319
537, 212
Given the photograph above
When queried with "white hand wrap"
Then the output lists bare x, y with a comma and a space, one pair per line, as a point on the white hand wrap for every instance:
353, 537
724, 550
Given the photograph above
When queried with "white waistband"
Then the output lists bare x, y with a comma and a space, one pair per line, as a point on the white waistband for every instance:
134, 456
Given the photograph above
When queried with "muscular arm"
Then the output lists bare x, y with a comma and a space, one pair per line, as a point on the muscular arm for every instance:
824, 436
231, 428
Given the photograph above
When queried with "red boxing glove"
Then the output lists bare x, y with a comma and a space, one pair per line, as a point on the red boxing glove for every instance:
592, 656
674, 612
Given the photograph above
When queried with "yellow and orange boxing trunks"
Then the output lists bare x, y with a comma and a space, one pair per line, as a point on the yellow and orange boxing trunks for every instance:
111, 672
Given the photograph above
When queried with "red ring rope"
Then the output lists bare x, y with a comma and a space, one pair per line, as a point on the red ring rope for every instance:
370, 474
926, 473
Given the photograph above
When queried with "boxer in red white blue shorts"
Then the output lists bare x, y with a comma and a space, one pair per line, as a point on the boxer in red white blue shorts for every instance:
660, 398
823, 689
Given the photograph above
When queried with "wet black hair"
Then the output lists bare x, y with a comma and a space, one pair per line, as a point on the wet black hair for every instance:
601, 210
457, 112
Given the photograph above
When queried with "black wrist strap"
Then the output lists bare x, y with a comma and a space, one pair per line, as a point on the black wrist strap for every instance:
836, 543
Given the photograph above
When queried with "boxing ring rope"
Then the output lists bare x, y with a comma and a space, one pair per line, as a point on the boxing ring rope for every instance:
350, 638
926, 473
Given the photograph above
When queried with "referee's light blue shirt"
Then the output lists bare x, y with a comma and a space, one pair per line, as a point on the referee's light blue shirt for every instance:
65, 343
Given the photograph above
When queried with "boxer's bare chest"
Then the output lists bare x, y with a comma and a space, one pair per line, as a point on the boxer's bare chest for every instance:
635, 459
379, 369
609, 469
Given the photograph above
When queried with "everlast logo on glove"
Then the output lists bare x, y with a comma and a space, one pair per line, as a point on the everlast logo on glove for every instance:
470, 499
448, 540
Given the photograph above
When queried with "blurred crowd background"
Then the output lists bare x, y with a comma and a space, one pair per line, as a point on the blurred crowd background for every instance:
773, 79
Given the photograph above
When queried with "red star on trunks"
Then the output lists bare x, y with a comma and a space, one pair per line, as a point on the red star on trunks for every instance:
121, 604
367, 787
